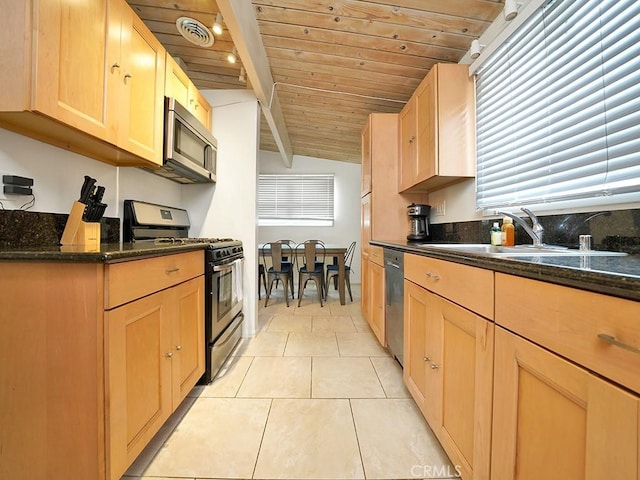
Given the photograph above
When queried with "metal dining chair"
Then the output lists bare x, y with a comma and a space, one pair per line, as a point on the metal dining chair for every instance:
280, 269
312, 268
332, 271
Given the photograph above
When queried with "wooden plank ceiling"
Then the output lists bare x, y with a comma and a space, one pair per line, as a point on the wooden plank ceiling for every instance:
333, 61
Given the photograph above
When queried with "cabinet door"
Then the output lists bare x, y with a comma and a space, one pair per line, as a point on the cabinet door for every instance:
365, 178
176, 82
460, 376
199, 106
408, 145
377, 299
426, 157
69, 82
417, 304
138, 349
187, 341
365, 303
365, 223
554, 420
142, 75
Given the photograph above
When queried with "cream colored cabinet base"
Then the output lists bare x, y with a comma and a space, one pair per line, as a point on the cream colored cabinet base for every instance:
554, 420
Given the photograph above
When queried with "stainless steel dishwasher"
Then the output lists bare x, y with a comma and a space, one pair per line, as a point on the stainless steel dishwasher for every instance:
394, 311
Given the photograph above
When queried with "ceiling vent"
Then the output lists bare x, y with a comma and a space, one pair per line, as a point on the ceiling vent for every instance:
194, 31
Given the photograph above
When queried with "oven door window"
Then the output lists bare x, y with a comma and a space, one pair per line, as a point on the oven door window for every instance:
225, 298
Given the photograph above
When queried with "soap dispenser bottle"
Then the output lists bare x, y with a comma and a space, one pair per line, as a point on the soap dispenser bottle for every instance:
508, 232
496, 235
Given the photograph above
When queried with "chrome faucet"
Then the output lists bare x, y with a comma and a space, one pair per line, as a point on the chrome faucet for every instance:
534, 232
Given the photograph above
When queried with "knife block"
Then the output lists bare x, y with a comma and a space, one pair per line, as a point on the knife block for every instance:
78, 232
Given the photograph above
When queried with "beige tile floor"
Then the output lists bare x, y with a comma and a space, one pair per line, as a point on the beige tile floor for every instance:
311, 396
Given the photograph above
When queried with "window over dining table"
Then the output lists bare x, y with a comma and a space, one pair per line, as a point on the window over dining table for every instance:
296, 200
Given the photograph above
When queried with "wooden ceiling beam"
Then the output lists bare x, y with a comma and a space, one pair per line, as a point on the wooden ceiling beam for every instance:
240, 19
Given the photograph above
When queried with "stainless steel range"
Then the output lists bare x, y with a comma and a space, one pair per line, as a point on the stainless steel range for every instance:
223, 270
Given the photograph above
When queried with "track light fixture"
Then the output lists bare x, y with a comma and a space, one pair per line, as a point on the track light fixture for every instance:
476, 48
510, 10
232, 57
217, 25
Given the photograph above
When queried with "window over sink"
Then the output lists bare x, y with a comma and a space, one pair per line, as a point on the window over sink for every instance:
558, 108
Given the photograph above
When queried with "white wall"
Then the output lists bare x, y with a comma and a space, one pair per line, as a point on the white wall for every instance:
346, 227
230, 209
58, 175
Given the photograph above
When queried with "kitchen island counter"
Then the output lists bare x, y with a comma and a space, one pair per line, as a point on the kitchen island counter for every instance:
617, 275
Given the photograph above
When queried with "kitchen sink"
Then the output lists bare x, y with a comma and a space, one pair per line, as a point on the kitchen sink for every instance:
517, 251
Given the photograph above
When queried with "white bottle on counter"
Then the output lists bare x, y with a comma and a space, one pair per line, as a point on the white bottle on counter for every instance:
496, 235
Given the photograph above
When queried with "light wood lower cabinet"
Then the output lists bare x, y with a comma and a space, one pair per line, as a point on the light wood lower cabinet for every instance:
373, 301
377, 301
449, 371
155, 355
89, 372
555, 420
365, 303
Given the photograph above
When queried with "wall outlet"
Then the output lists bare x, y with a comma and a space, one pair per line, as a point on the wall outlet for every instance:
440, 209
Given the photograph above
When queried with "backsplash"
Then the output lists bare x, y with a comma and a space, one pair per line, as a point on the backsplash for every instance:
24, 229
617, 230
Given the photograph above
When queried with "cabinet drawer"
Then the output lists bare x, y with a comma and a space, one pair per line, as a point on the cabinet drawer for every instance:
468, 286
127, 281
568, 321
376, 255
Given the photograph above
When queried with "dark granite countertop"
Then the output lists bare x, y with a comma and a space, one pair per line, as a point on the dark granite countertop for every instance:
109, 252
616, 275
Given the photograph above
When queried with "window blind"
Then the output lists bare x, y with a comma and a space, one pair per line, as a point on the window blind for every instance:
296, 197
558, 106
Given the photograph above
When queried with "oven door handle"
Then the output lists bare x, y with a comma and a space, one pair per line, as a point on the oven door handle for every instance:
223, 268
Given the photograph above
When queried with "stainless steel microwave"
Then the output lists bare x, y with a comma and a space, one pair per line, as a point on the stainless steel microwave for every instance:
190, 150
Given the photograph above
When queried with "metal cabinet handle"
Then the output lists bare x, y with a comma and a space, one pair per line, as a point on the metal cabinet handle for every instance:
426, 359
178, 347
433, 276
114, 66
435, 366
611, 340
127, 75
172, 270
168, 354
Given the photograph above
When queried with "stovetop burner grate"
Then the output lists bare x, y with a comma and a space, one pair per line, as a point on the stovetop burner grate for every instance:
183, 240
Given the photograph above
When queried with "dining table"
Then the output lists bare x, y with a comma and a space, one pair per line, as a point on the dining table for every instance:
337, 252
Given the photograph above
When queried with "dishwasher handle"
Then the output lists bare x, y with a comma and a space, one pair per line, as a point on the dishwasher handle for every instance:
393, 264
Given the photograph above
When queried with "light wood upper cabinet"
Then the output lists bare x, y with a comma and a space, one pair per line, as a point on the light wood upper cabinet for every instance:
179, 86
437, 131
70, 81
141, 77
365, 178
86, 76
554, 420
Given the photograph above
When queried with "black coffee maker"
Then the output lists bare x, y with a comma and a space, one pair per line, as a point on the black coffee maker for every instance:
419, 217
